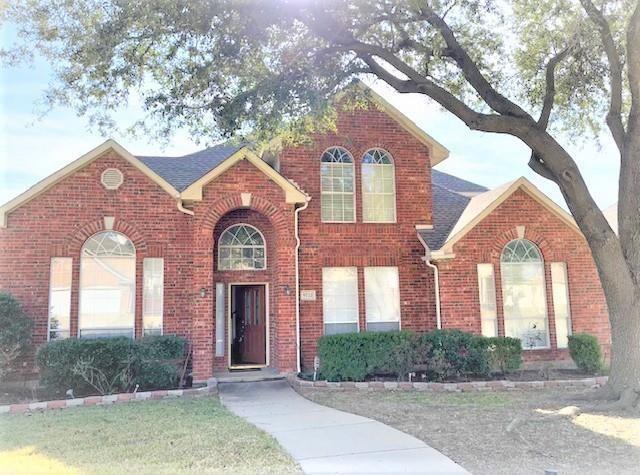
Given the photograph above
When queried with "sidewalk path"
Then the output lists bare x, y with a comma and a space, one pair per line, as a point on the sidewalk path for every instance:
326, 440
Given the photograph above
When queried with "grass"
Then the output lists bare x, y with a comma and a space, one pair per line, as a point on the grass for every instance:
471, 428
152, 437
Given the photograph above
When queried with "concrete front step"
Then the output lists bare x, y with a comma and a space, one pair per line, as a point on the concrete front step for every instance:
266, 374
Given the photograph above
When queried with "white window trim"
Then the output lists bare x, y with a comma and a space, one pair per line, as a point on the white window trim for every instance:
566, 289
395, 188
135, 285
494, 319
162, 294
546, 298
366, 319
357, 297
355, 209
264, 246
50, 289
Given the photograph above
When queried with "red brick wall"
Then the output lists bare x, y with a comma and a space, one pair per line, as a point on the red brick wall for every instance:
58, 222
557, 242
364, 244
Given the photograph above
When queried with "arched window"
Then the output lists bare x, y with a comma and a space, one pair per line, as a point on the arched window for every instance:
241, 247
337, 186
107, 286
378, 187
524, 296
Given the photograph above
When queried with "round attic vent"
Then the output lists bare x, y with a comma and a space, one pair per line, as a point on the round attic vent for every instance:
112, 178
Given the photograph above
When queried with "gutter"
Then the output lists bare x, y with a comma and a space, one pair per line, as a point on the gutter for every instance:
436, 279
297, 272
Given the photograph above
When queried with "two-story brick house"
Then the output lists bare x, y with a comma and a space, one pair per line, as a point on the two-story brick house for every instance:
253, 260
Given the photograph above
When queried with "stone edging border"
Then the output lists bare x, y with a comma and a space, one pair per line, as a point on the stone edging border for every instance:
501, 385
211, 388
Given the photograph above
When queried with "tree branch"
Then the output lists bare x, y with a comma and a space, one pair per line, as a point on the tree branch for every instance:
472, 74
550, 92
633, 67
473, 119
614, 116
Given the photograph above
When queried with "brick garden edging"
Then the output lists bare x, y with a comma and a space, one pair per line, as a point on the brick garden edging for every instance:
501, 385
211, 388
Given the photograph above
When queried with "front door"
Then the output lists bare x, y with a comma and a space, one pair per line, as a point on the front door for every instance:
248, 325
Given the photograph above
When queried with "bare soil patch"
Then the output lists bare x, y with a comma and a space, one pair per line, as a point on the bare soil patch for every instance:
470, 428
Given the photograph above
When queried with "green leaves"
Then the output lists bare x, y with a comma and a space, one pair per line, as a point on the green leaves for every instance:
260, 68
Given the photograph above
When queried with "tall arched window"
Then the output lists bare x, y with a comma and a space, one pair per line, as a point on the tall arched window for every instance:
241, 247
107, 286
337, 186
523, 294
378, 187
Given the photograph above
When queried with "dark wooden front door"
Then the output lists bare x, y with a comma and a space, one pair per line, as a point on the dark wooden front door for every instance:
251, 335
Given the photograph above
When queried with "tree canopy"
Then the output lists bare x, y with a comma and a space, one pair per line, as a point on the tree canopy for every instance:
223, 67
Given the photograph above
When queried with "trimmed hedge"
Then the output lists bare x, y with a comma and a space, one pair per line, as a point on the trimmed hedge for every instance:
442, 354
110, 365
353, 356
505, 354
585, 352
15, 333
452, 353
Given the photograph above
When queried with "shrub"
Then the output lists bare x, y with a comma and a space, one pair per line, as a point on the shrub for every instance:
585, 352
505, 353
354, 356
451, 353
109, 365
160, 361
15, 333
443, 354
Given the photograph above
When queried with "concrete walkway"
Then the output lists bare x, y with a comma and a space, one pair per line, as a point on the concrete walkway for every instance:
326, 440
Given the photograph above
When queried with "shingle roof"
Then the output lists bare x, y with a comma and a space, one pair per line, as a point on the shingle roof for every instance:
184, 170
451, 195
455, 184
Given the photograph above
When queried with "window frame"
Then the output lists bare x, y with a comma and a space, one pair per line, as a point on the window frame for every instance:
144, 300
135, 285
542, 264
264, 248
399, 301
483, 318
569, 321
49, 305
357, 299
393, 194
322, 193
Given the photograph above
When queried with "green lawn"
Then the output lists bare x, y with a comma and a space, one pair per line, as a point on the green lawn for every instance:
169, 437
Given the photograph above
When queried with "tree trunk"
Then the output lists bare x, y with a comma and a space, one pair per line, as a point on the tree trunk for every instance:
625, 348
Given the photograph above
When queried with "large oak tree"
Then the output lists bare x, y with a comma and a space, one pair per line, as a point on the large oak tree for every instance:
539, 70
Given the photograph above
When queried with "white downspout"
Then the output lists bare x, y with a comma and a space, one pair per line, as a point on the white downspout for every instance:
436, 280
183, 209
297, 269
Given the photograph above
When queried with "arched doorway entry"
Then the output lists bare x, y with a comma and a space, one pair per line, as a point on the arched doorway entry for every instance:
245, 264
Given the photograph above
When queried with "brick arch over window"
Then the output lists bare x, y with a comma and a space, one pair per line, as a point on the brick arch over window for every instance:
77, 240
493, 254
230, 203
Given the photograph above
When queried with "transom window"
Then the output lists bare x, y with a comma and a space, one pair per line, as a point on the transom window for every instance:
524, 294
241, 247
378, 187
337, 185
107, 286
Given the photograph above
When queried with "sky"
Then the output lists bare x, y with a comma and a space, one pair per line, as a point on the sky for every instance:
33, 146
